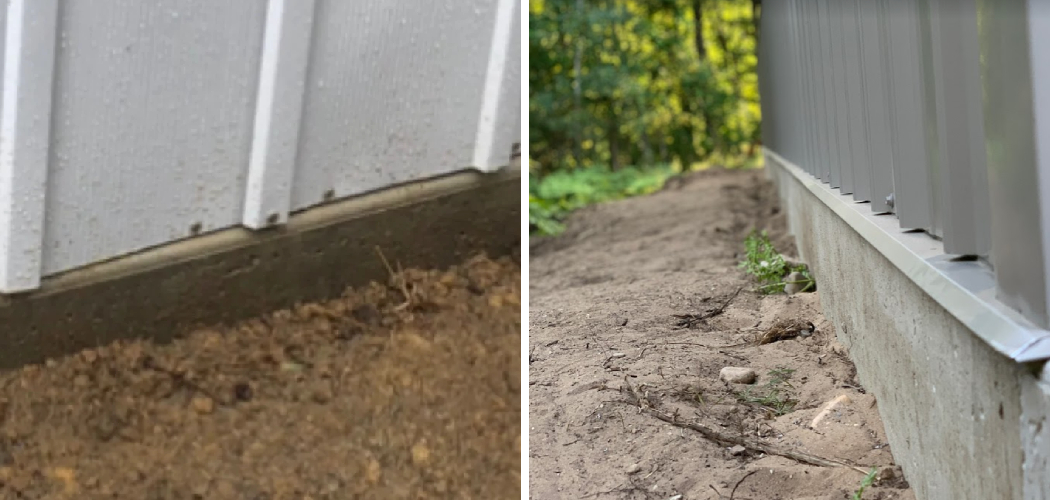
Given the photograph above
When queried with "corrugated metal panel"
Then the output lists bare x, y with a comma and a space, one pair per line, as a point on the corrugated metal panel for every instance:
765, 76
834, 74
28, 72
963, 196
1015, 51
793, 86
391, 83
803, 76
162, 113
842, 103
818, 93
499, 126
278, 112
911, 184
929, 116
801, 92
859, 177
876, 83
767, 73
151, 126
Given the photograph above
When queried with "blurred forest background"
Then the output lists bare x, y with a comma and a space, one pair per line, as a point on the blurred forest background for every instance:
624, 94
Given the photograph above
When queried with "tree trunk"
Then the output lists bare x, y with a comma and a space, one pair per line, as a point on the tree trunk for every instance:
698, 28
577, 93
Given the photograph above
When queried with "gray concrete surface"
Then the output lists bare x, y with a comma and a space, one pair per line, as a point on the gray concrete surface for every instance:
237, 273
964, 421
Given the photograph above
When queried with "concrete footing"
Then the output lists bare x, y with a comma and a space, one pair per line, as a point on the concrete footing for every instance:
237, 273
964, 421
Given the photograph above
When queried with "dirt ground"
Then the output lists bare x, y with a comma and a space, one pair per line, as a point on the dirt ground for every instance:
359, 397
602, 333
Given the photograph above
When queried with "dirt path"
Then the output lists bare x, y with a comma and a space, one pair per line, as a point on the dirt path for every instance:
602, 298
359, 397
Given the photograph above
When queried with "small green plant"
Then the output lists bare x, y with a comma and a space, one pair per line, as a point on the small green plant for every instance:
768, 266
864, 484
772, 396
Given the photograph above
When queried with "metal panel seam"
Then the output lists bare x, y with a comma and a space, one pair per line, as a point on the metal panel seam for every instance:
278, 112
25, 128
493, 85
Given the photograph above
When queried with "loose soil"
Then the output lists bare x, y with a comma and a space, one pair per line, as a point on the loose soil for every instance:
607, 360
364, 396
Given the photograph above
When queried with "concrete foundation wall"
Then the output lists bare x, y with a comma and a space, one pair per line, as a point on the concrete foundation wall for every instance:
964, 421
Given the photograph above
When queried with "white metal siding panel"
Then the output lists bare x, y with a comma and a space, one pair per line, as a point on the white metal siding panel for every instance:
28, 71
152, 121
393, 94
278, 112
499, 126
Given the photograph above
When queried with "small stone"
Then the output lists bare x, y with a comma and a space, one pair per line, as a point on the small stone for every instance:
736, 375
634, 469
373, 472
737, 450
81, 380
420, 453
291, 366
203, 404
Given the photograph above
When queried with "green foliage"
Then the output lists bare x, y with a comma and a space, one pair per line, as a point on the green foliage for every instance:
768, 266
554, 196
622, 82
772, 396
864, 484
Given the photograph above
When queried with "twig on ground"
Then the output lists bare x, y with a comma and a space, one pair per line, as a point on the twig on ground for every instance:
737, 485
691, 320
397, 278
729, 439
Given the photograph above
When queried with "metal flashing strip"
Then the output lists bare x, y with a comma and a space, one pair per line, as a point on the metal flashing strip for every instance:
965, 289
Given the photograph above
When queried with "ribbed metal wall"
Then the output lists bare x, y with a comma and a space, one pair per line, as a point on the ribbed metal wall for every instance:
933, 111
130, 124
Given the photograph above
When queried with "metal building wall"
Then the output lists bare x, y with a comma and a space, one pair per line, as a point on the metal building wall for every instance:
129, 124
932, 110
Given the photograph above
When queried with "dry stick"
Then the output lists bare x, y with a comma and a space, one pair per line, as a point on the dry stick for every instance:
724, 438
692, 319
398, 279
737, 485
